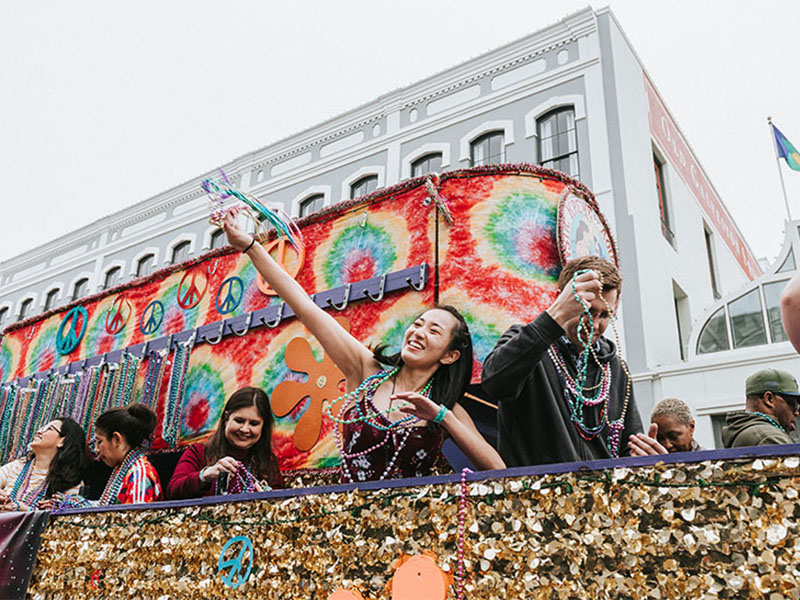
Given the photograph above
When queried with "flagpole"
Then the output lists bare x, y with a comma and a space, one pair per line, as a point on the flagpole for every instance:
780, 173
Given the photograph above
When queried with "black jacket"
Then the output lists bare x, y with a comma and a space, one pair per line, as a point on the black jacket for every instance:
534, 425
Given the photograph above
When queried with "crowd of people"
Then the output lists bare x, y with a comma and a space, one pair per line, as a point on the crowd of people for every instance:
564, 394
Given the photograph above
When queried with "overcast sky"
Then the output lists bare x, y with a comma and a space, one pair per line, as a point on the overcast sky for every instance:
106, 103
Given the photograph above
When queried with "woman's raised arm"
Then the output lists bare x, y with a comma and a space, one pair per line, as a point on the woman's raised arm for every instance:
350, 355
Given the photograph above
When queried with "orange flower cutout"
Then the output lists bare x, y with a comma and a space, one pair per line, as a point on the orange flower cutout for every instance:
324, 379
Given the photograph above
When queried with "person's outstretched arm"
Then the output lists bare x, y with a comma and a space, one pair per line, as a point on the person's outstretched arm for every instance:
350, 355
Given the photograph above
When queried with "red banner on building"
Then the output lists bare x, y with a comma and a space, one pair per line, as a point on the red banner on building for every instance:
682, 159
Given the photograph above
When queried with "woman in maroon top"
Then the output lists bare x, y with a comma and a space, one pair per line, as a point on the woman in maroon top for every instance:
236, 457
397, 408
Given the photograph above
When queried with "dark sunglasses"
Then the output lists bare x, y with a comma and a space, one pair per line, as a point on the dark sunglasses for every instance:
791, 402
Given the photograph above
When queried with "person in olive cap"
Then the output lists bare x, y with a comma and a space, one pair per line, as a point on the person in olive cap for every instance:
773, 402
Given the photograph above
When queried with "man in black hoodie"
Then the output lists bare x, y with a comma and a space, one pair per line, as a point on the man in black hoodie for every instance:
547, 413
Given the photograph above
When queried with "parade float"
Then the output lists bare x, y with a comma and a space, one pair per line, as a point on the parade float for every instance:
488, 240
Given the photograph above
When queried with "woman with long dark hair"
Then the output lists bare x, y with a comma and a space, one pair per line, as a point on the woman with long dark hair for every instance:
397, 410
120, 436
238, 457
54, 466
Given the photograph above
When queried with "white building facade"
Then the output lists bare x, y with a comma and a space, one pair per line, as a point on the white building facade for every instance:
573, 96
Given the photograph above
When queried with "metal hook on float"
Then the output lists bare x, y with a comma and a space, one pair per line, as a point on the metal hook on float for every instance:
421, 283
381, 290
207, 340
345, 299
278, 319
246, 326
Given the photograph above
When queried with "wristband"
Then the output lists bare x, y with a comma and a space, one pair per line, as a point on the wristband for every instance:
440, 415
200, 475
250, 246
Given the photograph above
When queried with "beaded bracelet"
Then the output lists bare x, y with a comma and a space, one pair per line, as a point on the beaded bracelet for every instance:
250, 246
441, 414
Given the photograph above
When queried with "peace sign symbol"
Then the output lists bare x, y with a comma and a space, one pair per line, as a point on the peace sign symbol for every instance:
151, 318
234, 577
118, 315
278, 246
71, 330
191, 296
233, 289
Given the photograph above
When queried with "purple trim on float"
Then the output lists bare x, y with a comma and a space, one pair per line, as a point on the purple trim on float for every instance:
553, 469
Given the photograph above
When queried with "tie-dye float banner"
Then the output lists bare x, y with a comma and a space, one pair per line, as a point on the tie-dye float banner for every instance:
497, 262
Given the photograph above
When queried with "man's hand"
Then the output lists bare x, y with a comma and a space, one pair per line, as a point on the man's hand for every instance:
646, 445
566, 307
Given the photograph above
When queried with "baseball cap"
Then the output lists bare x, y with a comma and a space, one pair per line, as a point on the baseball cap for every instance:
772, 380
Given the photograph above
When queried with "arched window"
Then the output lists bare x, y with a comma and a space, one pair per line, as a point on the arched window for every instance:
312, 204
3, 315
113, 277
180, 252
429, 163
558, 141
365, 185
145, 265
714, 336
80, 289
488, 149
25, 309
50, 299
218, 239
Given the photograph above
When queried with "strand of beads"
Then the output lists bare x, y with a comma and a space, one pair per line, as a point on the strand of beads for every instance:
78, 386
6, 424
21, 492
122, 374
90, 404
771, 420
20, 408
153, 376
52, 383
408, 421
177, 387
576, 401
370, 385
346, 456
243, 481
26, 426
602, 387
108, 386
114, 485
381, 376
462, 517
129, 370
62, 392
69, 502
